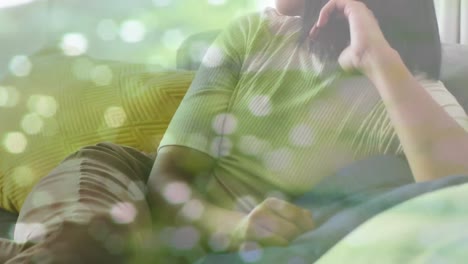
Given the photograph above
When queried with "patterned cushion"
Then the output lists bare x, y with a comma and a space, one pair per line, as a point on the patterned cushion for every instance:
67, 103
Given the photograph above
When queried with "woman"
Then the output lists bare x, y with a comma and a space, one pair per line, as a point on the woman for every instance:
245, 140
271, 113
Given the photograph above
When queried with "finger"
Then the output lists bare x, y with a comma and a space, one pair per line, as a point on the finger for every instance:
325, 13
314, 32
267, 237
329, 8
268, 220
307, 222
292, 213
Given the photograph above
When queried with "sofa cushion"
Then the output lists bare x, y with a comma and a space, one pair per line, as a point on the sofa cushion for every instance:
70, 102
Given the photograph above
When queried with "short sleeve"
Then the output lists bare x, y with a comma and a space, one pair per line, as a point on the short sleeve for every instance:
199, 120
447, 101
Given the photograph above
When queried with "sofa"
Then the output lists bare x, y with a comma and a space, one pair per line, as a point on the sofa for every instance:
189, 55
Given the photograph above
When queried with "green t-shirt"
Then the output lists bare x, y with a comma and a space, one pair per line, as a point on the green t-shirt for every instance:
276, 118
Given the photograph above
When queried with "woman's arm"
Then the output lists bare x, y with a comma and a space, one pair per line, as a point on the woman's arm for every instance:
434, 143
172, 185
176, 172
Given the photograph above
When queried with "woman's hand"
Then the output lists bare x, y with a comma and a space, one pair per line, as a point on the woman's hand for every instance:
367, 40
273, 223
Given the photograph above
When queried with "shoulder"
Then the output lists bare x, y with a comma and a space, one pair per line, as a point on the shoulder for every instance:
269, 18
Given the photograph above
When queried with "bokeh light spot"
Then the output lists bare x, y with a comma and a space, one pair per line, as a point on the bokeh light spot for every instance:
115, 116
123, 213
260, 105
32, 124
43, 105
185, 238
225, 124
132, 31
193, 210
101, 75
177, 193
20, 66
15, 142
250, 252
23, 176
278, 160
74, 44
221, 147
213, 57
9, 96
219, 242
302, 136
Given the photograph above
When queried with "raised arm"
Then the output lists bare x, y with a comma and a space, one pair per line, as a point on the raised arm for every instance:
434, 143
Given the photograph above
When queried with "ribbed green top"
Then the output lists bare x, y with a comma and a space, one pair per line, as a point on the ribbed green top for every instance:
275, 117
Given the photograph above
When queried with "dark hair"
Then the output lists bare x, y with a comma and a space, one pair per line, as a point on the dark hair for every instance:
410, 26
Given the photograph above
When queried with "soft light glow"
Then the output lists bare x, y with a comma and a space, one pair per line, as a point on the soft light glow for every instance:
115, 116
177, 193
262, 4
224, 124
260, 105
23, 176
74, 44
221, 146
102, 75
9, 96
32, 124
214, 57
132, 31
250, 252
185, 238
193, 210
302, 136
20, 66
15, 142
43, 105
123, 213
11, 3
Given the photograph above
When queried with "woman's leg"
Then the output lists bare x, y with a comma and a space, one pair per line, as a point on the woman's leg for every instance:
105, 181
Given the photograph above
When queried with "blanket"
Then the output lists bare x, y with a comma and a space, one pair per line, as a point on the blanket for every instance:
340, 204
